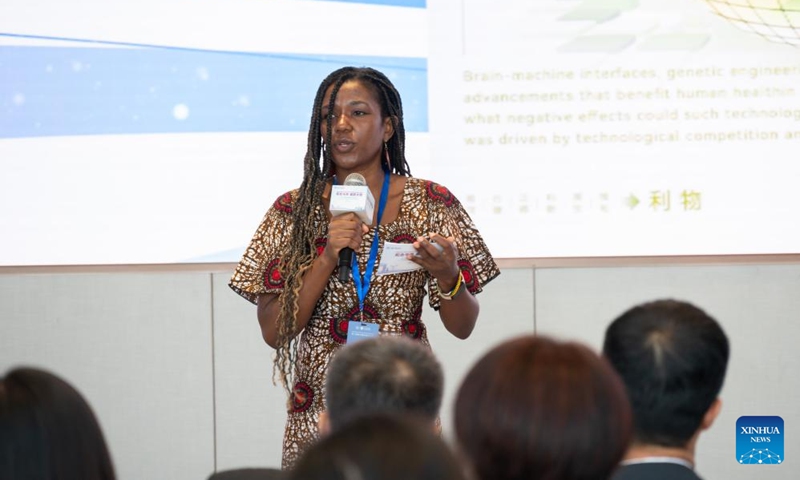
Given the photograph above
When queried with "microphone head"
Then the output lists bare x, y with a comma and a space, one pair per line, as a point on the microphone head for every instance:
355, 180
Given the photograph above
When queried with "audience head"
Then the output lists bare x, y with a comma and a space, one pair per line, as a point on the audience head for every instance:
249, 474
537, 408
48, 431
672, 357
379, 447
382, 374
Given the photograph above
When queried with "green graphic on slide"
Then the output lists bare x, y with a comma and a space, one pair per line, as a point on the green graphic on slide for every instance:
613, 26
649, 32
775, 20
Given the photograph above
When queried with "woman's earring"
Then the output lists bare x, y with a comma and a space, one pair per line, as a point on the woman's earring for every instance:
386, 154
327, 168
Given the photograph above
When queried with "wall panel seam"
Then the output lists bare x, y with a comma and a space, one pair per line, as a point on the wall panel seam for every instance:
213, 371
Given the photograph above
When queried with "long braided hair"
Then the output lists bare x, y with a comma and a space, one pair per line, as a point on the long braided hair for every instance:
317, 168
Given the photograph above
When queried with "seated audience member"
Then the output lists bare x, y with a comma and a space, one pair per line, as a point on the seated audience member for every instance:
672, 358
382, 375
48, 431
536, 408
379, 447
248, 474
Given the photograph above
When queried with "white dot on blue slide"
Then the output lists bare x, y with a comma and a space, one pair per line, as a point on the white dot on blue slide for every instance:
180, 112
202, 73
18, 99
241, 101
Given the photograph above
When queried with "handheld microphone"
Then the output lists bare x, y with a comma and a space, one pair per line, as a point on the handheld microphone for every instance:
354, 196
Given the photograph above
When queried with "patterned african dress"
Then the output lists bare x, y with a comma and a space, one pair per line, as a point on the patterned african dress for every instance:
393, 301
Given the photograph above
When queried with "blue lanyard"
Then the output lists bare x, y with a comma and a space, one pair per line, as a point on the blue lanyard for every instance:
362, 281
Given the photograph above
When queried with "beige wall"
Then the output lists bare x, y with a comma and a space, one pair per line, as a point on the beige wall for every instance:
175, 367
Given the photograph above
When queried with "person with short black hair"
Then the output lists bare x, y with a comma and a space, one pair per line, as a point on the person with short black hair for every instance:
48, 431
534, 408
382, 375
672, 357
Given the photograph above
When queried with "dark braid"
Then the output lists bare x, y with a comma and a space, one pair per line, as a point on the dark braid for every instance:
301, 251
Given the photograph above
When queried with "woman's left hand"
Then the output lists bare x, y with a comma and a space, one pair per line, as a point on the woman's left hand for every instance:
441, 263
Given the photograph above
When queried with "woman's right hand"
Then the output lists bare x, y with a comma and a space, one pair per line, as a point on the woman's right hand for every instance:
345, 230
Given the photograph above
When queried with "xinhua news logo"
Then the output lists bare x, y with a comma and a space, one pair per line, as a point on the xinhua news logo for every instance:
759, 440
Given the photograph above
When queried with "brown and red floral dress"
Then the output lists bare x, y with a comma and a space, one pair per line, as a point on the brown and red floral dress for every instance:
393, 301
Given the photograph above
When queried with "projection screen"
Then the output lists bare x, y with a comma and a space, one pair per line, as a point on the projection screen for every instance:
160, 132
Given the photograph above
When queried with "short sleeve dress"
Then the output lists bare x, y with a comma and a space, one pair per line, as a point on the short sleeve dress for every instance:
393, 301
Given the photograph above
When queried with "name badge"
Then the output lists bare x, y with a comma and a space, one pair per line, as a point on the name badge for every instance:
357, 331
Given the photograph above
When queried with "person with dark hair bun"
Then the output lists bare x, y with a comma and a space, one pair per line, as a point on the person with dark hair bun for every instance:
534, 408
290, 267
380, 447
48, 431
